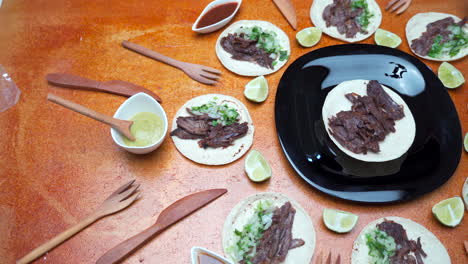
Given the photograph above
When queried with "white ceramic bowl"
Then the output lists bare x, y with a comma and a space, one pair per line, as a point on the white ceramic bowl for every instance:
196, 250
219, 24
137, 103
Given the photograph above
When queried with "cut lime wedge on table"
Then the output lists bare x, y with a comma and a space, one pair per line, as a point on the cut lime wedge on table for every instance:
386, 38
257, 167
339, 221
450, 76
465, 142
257, 89
308, 37
450, 211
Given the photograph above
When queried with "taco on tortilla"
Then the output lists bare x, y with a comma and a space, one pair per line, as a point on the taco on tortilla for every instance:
347, 20
393, 240
253, 48
438, 36
368, 121
268, 228
212, 129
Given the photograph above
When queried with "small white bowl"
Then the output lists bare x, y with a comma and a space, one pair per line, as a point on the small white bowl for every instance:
137, 103
196, 250
218, 24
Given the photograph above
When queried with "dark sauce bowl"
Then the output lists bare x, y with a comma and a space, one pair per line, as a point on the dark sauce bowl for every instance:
219, 24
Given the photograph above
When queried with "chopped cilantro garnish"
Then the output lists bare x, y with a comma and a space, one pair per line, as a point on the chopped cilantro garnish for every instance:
458, 39
365, 16
266, 40
222, 113
247, 238
381, 246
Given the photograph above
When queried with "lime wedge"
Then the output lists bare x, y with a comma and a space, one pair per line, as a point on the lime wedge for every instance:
257, 167
465, 142
450, 211
257, 89
450, 76
387, 38
465, 193
308, 37
339, 221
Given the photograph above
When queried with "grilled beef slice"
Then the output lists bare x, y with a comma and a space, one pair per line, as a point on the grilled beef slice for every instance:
370, 120
404, 246
223, 136
277, 239
201, 127
423, 44
341, 15
246, 50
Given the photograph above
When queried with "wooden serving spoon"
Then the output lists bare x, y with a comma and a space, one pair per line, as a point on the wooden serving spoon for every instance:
122, 126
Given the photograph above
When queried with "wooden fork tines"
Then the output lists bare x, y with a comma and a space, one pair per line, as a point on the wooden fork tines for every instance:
199, 73
122, 198
401, 5
328, 259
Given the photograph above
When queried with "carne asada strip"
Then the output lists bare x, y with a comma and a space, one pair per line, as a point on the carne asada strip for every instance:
246, 50
441, 35
404, 246
214, 132
346, 17
277, 240
370, 120
256, 45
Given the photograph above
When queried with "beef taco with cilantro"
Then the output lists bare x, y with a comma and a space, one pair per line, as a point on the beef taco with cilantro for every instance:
347, 20
212, 129
268, 228
368, 121
438, 36
253, 48
395, 240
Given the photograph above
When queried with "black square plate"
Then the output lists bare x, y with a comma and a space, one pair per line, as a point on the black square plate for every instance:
429, 163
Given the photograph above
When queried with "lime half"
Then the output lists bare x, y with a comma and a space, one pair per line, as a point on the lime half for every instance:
308, 37
450, 76
450, 211
257, 167
339, 221
257, 89
465, 142
387, 38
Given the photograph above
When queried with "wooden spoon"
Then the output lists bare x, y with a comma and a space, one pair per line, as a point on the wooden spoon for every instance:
122, 126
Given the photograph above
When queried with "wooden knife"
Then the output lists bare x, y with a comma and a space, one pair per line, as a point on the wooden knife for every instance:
169, 216
115, 86
288, 11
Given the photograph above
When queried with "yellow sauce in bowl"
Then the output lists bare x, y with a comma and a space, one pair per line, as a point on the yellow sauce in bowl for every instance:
147, 128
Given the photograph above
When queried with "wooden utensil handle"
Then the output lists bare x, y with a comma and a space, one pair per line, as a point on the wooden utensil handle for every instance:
82, 110
72, 81
39, 251
117, 253
151, 53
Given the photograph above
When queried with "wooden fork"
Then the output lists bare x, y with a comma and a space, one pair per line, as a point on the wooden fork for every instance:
327, 260
197, 72
401, 4
117, 201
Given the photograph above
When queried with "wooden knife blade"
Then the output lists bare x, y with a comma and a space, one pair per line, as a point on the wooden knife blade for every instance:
169, 216
288, 11
116, 86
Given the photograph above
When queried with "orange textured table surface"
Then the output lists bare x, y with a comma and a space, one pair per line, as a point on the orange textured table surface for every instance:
57, 166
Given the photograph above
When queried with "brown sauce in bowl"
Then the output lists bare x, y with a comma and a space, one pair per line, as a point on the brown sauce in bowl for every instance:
204, 258
216, 14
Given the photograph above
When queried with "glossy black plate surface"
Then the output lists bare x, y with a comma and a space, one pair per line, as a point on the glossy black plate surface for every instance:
429, 163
